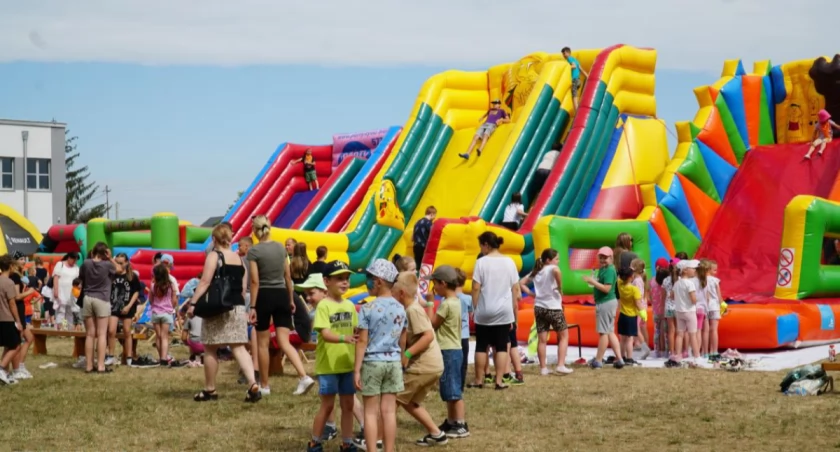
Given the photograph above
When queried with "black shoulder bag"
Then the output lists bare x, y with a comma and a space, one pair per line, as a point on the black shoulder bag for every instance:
217, 300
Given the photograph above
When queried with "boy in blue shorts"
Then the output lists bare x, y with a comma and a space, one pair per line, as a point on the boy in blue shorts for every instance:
378, 372
447, 322
576, 70
494, 117
335, 321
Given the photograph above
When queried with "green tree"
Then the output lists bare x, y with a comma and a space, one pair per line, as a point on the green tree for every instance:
80, 189
238, 195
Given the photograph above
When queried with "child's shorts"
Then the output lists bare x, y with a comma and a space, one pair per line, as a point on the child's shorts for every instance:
417, 386
713, 315
310, 176
605, 317
628, 325
486, 129
162, 319
701, 317
332, 384
27, 320
549, 318
686, 322
382, 377
450, 380
9, 335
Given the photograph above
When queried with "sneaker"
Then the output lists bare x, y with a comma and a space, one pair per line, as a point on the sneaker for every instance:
5, 378
265, 391
488, 379
618, 364
513, 380
595, 364
544, 371
458, 430
329, 434
361, 444
432, 440
630, 362
129, 362
21, 374
671, 363
80, 363
314, 447
445, 426
174, 364
304, 385
563, 370
464, 156
144, 362
345, 447
109, 360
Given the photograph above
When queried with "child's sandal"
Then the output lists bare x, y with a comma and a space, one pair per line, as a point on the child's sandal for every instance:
253, 395
205, 396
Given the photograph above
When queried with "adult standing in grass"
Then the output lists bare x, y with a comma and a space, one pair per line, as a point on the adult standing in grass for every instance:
230, 328
272, 300
495, 294
97, 275
63, 275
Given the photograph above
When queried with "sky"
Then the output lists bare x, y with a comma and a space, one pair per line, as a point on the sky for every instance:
177, 105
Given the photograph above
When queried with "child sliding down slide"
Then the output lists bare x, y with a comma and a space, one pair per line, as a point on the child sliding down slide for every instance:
822, 133
494, 117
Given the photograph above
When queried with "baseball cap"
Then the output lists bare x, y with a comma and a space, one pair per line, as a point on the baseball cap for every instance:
692, 263
496, 101
18, 255
605, 251
662, 262
337, 268
168, 259
383, 269
314, 281
444, 273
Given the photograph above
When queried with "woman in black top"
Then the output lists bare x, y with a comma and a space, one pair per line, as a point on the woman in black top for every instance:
230, 328
19, 371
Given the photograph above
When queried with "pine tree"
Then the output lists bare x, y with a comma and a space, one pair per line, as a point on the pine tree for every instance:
79, 189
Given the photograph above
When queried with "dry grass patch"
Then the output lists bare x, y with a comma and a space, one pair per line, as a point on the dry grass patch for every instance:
628, 409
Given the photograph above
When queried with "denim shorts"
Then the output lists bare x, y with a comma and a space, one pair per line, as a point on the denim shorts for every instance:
332, 384
450, 380
162, 319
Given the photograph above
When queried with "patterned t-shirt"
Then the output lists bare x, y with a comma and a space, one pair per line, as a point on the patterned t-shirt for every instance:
385, 320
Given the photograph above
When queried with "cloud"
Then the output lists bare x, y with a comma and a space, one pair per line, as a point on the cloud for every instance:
460, 33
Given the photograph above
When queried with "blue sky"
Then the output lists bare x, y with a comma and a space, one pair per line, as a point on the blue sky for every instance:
177, 105
187, 138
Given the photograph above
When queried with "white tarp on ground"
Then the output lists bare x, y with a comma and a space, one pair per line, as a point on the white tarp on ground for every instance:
768, 361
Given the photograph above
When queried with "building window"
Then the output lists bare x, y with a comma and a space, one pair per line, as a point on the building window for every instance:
38, 174
7, 173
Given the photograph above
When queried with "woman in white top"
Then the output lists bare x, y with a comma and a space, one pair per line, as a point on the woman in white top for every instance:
514, 212
548, 308
495, 296
63, 275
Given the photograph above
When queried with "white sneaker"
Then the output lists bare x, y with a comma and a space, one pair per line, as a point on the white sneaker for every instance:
304, 385
544, 371
563, 370
21, 374
5, 378
80, 363
265, 391
645, 351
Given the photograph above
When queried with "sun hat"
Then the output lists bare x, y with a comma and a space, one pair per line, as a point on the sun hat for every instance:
605, 251
383, 269
314, 281
823, 115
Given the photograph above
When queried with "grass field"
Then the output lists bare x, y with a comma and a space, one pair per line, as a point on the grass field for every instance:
630, 409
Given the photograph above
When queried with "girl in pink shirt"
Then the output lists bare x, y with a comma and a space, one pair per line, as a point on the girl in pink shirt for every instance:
163, 301
661, 343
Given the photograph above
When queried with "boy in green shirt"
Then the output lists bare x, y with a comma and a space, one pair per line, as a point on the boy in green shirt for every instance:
335, 353
447, 323
606, 306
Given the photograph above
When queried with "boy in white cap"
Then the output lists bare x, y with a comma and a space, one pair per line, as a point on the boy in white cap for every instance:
447, 323
494, 117
606, 306
378, 373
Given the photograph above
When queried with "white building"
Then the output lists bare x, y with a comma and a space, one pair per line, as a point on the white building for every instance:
32, 170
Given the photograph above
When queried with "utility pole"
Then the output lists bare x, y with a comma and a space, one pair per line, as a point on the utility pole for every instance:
107, 203
117, 211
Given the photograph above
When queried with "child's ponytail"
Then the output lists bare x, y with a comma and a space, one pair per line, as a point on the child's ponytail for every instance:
547, 256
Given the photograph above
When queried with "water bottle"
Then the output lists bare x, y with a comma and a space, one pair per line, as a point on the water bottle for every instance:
832, 353
594, 275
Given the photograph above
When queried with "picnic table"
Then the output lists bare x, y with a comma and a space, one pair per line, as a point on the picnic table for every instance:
41, 335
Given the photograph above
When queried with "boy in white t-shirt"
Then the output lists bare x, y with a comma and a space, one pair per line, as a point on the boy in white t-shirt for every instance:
685, 300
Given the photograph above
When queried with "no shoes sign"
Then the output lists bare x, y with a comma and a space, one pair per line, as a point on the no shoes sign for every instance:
784, 278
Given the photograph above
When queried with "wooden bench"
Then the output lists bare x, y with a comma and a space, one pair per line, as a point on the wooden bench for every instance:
41, 335
276, 357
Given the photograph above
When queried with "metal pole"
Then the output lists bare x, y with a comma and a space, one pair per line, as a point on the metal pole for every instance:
107, 204
24, 136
